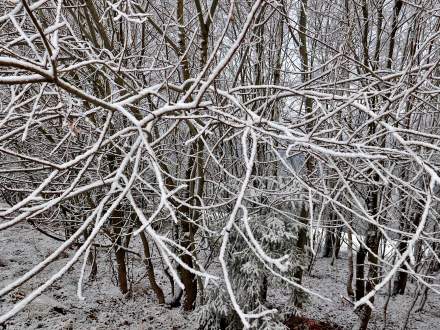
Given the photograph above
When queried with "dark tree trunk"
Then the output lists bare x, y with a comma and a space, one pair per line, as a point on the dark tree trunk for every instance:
402, 276
308, 104
332, 243
338, 242
122, 270
117, 220
92, 261
400, 282
189, 280
328, 243
150, 270
349, 284
301, 246
264, 286
360, 274
373, 239
372, 243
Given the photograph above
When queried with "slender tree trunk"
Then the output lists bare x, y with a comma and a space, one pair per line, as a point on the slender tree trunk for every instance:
117, 219
373, 245
301, 245
329, 243
304, 214
187, 235
360, 272
349, 284
402, 275
150, 270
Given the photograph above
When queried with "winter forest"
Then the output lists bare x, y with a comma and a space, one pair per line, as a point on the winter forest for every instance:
220, 164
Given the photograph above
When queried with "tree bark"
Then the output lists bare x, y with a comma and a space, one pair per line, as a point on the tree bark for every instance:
117, 219
150, 270
360, 273
350, 265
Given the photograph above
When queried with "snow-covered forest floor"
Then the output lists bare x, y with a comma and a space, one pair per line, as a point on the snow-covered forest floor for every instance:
330, 281
105, 308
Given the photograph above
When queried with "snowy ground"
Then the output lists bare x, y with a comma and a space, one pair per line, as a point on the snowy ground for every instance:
331, 281
105, 308
60, 308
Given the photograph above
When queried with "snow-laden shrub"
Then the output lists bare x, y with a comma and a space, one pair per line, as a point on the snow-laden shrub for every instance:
251, 277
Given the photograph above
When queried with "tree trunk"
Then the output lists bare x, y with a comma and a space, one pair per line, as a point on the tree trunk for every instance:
360, 273
190, 282
117, 221
332, 243
305, 67
402, 276
328, 243
150, 269
350, 265
301, 245
373, 240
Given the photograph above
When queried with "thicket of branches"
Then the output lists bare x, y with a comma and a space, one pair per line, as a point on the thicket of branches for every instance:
205, 129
